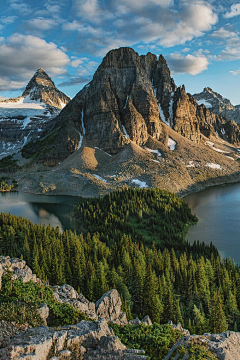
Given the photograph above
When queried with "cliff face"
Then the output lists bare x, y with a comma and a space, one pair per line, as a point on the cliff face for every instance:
120, 104
129, 98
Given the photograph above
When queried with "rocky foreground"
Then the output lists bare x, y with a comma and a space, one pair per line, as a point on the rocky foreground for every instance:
90, 340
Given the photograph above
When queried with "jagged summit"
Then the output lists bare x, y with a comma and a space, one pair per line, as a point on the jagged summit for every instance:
129, 99
42, 88
39, 79
24, 118
218, 104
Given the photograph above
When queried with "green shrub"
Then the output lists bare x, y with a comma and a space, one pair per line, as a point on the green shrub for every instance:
156, 340
19, 302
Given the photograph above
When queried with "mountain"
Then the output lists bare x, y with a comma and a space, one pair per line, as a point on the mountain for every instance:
132, 125
218, 104
26, 117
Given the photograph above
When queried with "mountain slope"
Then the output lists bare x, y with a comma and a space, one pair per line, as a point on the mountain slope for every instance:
26, 117
154, 134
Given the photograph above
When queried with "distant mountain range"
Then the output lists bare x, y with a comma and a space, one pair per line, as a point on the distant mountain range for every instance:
26, 117
218, 104
130, 125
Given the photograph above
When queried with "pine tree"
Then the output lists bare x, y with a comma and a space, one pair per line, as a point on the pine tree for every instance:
152, 304
217, 318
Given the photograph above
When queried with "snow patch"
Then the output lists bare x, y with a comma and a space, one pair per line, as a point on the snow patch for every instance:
141, 184
125, 132
154, 151
171, 144
223, 131
191, 164
209, 143
219, 150
99, 178
26, 121
80, 141
126, 102
62, 104
230, 157
213, 166
83, 128
162, 116
204, 102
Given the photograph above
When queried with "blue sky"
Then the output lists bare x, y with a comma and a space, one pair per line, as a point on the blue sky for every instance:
68, 38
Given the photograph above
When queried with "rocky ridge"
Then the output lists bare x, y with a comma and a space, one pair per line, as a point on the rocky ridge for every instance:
91, 340
217, 104
94, 340
132, 126
26, 117
129, 99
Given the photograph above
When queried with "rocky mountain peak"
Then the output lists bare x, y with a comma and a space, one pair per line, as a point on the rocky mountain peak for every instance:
42, 88
218, 104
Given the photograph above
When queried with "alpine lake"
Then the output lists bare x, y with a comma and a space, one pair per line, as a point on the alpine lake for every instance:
217, 209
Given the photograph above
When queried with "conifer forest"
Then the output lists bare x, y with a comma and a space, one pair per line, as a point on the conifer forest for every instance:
134, 240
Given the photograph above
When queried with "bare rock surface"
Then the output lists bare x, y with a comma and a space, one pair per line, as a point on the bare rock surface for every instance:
19, 269
85, 340
109, 306
67, 294
225, 345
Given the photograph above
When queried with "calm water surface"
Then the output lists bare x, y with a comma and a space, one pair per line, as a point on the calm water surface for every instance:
53, 210
218, 211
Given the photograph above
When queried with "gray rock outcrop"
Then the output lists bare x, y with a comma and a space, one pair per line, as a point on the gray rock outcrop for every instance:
43, 311
67, 294
18, 268
225, 345
85, 340
109, 307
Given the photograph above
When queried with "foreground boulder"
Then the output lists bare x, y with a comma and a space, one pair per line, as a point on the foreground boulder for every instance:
225, 345
68, 295
86, 340
19, 269
109, 307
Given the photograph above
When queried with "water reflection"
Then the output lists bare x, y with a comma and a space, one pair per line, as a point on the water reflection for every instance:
218, 211
53, 210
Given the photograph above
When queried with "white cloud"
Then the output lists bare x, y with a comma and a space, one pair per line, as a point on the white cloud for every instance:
231, 52
222, 33
101, 27
190, 64
21, 7
235, 72
41, 24
235, 11
21, 56
122, 5
8, 19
